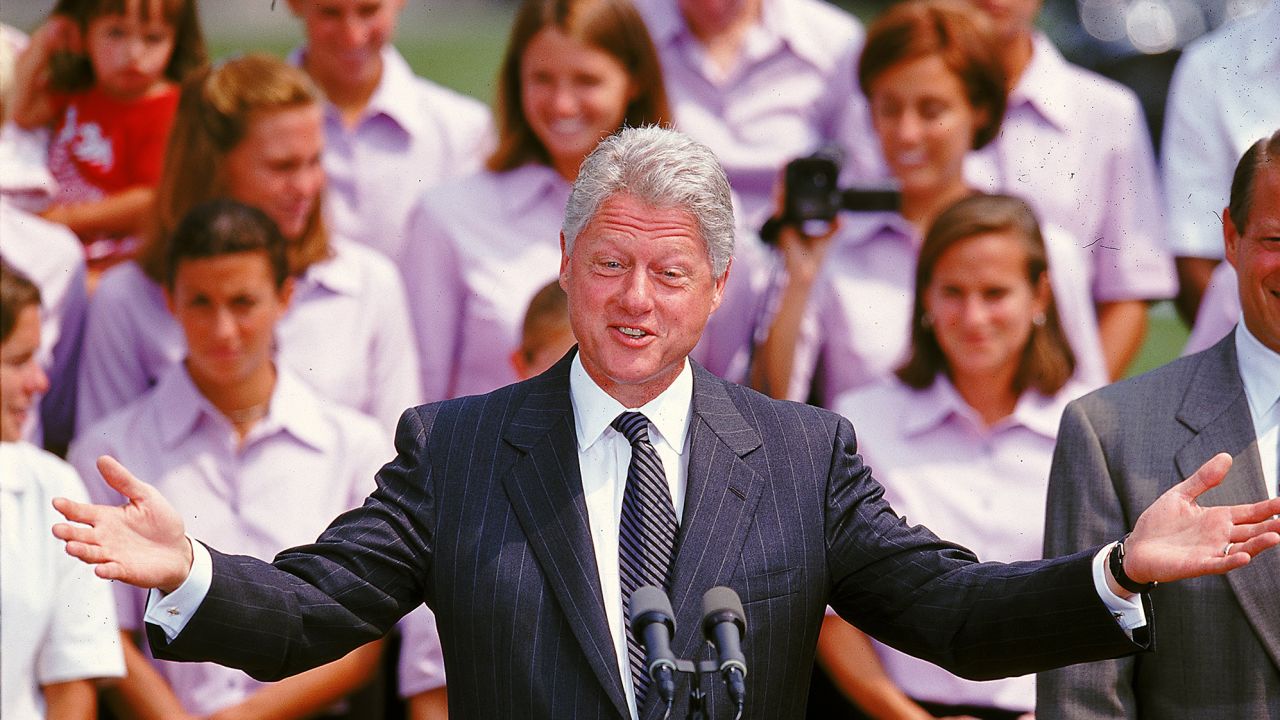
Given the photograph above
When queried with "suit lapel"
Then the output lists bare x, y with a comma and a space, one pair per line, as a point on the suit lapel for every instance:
545, 490
1216, 409
720, 497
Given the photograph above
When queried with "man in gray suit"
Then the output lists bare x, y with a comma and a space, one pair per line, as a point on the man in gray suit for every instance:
509, 513
1121, 447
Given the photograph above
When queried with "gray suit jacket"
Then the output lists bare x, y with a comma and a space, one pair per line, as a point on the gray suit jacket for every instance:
1218, 653
481, 515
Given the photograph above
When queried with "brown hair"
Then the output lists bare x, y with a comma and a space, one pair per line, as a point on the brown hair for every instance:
214, 113
16, 294
612, 26
1263, 152
1047, 361
952, 31
75, 73
548, 311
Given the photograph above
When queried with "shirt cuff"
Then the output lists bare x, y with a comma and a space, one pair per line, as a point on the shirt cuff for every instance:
1127, 611
171, 611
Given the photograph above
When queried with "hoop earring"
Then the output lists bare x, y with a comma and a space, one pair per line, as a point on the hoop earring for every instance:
1039, 320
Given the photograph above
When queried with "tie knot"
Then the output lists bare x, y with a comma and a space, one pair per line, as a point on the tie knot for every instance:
633, 425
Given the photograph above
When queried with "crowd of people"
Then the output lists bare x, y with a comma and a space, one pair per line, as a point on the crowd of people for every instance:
234, 276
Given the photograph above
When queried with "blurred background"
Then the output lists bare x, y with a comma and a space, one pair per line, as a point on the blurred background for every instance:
459, 43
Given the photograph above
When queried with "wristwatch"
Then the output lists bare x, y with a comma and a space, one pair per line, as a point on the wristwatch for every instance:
1115, 560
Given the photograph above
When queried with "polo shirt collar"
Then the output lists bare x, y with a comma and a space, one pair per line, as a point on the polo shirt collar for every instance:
293, 409
396, 94
1045, 84
941, 402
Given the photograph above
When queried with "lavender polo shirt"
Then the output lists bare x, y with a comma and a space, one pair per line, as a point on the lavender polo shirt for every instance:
981, 487
791, 92
413, 135
857, 324
1075, 145
311, 456
346, 334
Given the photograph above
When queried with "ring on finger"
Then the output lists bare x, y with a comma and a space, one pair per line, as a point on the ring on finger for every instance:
1226, 550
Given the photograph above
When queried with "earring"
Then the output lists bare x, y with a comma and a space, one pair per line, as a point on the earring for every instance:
1039, 320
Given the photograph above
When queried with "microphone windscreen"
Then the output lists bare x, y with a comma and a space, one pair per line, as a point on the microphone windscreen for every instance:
650, 599
720, 601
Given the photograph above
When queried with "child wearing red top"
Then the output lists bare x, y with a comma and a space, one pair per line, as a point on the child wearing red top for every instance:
103, 76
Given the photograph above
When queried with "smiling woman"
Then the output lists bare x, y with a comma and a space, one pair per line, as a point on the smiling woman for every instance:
574, 72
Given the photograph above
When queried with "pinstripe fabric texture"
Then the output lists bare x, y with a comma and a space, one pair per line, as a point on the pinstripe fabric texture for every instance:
646, 531
481, 515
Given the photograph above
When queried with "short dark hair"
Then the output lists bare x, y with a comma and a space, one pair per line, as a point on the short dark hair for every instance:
225, 227
1263, 152
17, 293
954, 32
1047, 361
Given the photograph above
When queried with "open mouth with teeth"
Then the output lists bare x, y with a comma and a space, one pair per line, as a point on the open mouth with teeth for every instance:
632, 332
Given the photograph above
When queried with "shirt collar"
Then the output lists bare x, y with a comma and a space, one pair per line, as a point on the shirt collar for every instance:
335, 273
779, 23
293, 409
530, 185
1259, 370
1045, 83
940, 402
395, 96
859, 228
594, 409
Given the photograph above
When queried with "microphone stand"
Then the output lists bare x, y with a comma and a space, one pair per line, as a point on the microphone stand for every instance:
697, 696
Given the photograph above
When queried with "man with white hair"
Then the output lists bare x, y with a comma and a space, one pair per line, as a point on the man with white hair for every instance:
526, 517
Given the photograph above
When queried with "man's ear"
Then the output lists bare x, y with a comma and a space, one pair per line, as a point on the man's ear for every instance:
720, 284
1230, 238
564, 263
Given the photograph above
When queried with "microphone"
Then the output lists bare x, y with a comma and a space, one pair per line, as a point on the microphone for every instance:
653, 624
724, 624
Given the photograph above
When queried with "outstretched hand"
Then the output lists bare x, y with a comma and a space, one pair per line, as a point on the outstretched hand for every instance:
142, 543
1175, 538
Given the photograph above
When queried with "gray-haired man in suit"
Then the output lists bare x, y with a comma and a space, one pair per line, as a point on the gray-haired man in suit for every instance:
1121, 447
508, 513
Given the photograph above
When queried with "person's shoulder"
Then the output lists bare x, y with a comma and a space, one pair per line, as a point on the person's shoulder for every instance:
778, 419
877, 403
51, 475
124, 285
1102, 95
828, 36
1164, 385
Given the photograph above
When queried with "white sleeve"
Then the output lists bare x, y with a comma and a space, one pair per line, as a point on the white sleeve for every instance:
1127, 612
172, 611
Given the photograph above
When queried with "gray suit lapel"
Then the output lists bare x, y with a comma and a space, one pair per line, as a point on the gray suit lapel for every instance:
545, 490
720, 499
1216, 409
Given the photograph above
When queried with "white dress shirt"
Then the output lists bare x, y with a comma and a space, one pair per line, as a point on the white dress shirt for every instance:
604, 455
1260, 373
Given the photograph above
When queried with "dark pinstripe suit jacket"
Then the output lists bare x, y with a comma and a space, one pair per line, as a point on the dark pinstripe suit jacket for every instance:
481, 515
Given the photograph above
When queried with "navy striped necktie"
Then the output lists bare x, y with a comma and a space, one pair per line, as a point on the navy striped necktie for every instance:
647, 531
